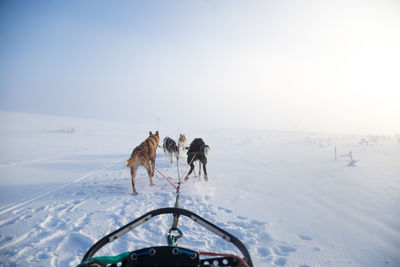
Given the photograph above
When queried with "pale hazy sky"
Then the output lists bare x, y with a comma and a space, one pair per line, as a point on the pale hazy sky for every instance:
331, 66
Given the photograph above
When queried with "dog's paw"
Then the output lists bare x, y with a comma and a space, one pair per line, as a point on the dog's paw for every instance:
186, 178
206, 178
152, 184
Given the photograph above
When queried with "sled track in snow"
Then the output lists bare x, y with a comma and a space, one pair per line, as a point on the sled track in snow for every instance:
45, 193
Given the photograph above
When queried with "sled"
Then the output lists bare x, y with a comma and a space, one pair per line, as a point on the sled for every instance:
172, 254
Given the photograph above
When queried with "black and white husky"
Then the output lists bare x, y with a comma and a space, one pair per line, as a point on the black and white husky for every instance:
170, 148
198, 151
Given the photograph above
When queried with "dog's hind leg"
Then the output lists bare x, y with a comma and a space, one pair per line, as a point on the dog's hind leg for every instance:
133, 174
153, 166
199, 169
190, 171
189, 159
205, 171
149, 172
194, 169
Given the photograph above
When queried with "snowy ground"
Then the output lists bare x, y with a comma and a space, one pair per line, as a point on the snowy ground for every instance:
63, 185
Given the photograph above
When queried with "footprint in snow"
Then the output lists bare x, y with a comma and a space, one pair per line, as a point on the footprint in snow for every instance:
283, 250
304, 237
280, 262
49, 222
39, 209
74, 244
80, 223
263, 252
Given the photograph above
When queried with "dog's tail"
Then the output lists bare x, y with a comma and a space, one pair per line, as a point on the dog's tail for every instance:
129, 163
206, 149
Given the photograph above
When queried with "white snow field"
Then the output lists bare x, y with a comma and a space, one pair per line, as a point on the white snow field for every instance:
63, 186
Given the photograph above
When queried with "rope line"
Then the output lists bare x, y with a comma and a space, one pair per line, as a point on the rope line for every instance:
172, 239
183, 174
166, 179
180, 179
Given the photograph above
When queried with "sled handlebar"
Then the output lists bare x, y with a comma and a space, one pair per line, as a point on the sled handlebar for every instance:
146, 217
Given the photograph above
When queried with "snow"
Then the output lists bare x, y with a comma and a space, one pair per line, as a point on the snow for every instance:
63, 186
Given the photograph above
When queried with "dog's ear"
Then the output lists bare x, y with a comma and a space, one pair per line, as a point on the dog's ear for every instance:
157, 133
150, 133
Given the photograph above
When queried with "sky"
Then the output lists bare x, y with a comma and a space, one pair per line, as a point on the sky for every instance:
326, 66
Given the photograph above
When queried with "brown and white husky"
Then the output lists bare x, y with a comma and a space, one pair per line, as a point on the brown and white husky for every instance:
144, 155
182, 143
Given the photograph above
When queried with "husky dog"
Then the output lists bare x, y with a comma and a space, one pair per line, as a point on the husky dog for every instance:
170, 148
182, 143
144, 155
198, 151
